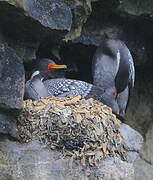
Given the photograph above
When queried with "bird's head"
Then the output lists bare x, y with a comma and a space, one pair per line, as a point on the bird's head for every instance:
47, 68
55, 70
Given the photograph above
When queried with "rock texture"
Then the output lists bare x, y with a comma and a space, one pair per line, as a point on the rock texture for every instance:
137, 7
34, 161
59, 157
139, 116
124, 28
8, 125
147, 153
52, 14
133, 142
56, 15
11, 78
143, 170
144, 165
31, 28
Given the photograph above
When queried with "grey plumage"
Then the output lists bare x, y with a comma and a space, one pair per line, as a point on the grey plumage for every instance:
69, 87
37, 88
113, 68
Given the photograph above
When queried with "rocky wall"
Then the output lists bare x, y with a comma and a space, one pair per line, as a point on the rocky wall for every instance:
32, 28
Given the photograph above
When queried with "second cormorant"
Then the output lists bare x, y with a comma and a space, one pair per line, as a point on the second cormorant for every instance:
113, 68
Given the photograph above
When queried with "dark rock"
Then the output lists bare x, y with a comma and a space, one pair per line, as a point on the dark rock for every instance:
137, 7
11, 78
144, 165
139, 114
147, 151
81, 11
115, 26
53, 14
27, 23
40, 19
26, 50
8, 125
17, 24
33, 161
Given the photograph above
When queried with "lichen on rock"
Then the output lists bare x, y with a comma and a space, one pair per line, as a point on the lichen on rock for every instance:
81, 11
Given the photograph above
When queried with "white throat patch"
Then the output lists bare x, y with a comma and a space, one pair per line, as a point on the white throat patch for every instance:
35, 73
118, 59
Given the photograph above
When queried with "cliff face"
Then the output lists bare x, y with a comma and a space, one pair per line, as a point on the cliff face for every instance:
69, 138
32, 28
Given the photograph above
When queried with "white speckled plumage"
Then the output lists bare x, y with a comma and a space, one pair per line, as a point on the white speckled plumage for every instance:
63, 87
37, 87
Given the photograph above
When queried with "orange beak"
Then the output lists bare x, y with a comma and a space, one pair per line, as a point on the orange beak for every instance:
55, 66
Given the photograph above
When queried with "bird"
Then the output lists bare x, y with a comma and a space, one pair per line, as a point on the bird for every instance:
113, 68
39, 86
42, 69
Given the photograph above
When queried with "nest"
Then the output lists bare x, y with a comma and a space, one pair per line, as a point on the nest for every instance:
84, 129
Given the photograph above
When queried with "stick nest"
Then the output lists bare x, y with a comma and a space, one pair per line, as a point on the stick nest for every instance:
84, 129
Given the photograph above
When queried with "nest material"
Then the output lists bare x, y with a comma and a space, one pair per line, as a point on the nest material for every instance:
85, 129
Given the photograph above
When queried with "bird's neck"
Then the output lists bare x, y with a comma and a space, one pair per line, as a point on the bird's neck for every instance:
39, 75
38, 85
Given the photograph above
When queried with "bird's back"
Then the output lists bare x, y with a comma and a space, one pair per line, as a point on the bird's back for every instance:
63, 87
105, 64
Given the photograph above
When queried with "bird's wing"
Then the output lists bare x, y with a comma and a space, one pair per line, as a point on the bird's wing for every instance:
104, 70
132, 71
64, 87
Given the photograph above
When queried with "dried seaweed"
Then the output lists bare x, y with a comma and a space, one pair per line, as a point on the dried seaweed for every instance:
84, 129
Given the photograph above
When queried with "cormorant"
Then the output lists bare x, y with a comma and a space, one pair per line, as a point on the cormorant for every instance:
37, 87
113, 68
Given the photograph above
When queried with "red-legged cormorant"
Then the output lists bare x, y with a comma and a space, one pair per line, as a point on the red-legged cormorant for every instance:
113, 68
44, 68
37, 87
